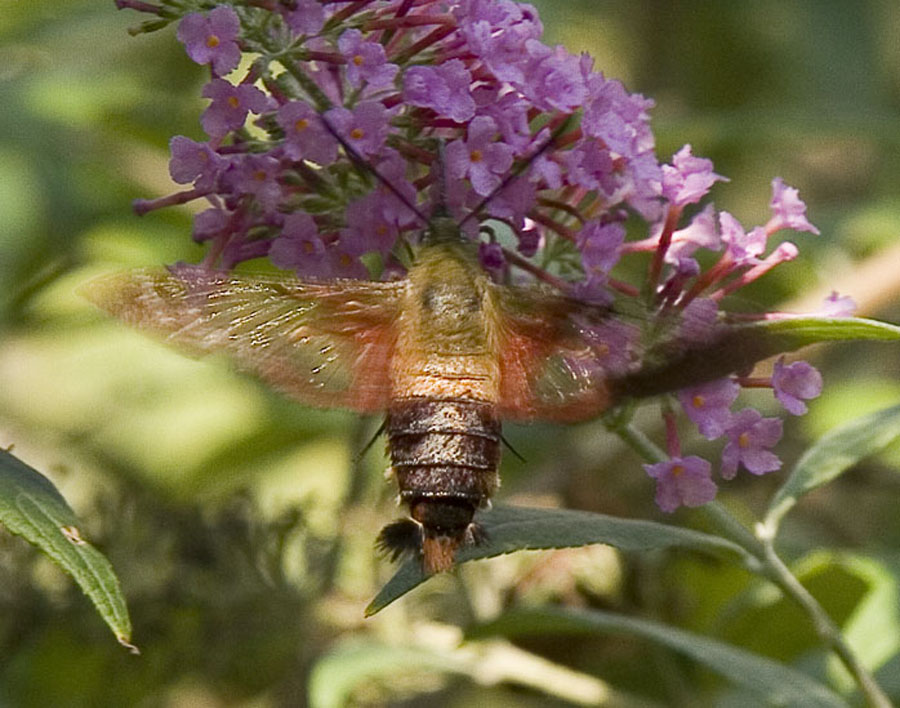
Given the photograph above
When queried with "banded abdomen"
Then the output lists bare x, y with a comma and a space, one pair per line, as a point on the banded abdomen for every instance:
445, 454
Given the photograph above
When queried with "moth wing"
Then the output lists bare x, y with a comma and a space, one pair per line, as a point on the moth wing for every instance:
327, 343
558, 355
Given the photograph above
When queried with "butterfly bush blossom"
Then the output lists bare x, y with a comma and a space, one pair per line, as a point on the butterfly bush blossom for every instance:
529, 138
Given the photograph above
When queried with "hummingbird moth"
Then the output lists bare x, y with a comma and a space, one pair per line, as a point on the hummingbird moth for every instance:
445, 353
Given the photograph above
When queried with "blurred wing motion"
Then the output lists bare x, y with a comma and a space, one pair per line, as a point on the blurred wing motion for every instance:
557, 356
326, 344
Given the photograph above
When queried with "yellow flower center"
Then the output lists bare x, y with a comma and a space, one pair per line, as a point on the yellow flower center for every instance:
212, 41
259, 175
301, 125
698, 401
308, 247
234, 102
744, 440
475, 156
357, 134
345, 260
677, 470
358, 60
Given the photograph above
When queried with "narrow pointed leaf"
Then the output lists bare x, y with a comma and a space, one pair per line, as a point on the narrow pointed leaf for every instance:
517, 528
738, 347
775, 683
31, 507
832, 455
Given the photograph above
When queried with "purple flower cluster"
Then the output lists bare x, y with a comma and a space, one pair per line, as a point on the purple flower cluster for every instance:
464, 93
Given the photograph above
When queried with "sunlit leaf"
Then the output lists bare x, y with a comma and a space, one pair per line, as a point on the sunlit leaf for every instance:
774, 683
338, 673
438, 649
31, 507
832, 455
516, 528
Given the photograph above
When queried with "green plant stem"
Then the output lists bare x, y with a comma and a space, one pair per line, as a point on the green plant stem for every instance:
774, 569
825, 627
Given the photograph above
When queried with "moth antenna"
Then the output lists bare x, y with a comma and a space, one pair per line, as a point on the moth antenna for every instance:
516, 172
512, 449
368, 445
362, 164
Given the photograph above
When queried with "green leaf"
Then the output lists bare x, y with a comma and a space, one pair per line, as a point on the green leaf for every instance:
336, 675
738, 347
830, 456
31, 507
872, 630
517, 528
775, 683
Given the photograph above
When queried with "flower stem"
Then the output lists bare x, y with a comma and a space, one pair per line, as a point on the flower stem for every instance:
771, 566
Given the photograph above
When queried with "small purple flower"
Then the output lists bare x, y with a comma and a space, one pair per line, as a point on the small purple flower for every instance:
600, 246
546, 170
698, 322
510, 111
305, 137
368, 226
553, 79
209, 224
257, 175
837, 305
709, 406
496, 32
590, 165
700, 233
618, 118
343, 264
300, 248
788, 210
688, 179
530, 240
794, 382
614, 344
744, 248
443, 88
230, 105
194, 162
514, 201
307, 17
478, 157
365, 127
682, 481
366, 61
212, 39
491, 256
749, 436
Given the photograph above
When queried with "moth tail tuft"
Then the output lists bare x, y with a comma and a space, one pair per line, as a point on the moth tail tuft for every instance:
399, 539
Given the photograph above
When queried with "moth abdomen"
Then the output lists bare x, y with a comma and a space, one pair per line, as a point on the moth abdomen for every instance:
445, 454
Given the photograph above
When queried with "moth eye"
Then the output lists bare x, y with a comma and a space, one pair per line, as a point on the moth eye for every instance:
400, 538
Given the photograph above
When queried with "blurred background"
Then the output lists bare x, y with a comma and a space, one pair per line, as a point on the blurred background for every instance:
241, 525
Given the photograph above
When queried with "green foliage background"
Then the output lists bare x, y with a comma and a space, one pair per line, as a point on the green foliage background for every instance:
241, 525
